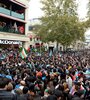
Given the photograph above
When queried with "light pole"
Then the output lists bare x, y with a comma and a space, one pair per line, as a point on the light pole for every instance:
40, 47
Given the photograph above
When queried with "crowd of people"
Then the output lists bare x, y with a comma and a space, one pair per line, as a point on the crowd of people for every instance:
62, 76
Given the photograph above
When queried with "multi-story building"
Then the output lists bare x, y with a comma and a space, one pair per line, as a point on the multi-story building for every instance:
13, 22
34, 39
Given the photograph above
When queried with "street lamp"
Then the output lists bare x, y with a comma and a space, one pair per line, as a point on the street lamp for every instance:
40, 47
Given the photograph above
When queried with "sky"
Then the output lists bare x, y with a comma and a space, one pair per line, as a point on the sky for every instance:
35, 9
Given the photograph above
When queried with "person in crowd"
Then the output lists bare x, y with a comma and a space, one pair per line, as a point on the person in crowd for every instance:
4, 88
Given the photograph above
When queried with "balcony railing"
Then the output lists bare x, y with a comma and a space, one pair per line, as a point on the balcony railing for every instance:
4, 11
11, 13
9, 30
16, 15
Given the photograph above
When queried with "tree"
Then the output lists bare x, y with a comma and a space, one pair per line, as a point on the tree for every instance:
87, 22
60, 22
88, 7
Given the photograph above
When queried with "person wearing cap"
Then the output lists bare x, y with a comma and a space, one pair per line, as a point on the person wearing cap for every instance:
46, 94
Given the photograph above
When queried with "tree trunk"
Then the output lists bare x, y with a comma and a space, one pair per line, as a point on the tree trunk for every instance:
57, 47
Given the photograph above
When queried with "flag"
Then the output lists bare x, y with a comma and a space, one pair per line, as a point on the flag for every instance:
23, 53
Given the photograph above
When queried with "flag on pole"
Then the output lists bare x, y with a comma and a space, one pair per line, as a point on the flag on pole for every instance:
23, 53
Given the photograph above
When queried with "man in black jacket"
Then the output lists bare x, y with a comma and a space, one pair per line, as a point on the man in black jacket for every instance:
4, 94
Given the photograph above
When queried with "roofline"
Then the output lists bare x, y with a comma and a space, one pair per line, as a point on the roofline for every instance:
19, 3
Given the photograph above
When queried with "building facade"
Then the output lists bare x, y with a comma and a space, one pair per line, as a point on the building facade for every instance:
34, 39
13, 22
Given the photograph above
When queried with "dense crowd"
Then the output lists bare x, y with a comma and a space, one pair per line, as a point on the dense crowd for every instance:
62, 76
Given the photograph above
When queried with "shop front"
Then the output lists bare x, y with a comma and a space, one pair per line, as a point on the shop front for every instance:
10, 43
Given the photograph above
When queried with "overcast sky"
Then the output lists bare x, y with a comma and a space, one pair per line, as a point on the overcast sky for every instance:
35, 11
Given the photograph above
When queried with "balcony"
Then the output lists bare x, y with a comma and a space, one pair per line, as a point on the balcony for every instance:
11, 13
10, 30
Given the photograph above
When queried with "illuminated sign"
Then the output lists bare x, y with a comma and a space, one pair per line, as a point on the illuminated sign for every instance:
10, 42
